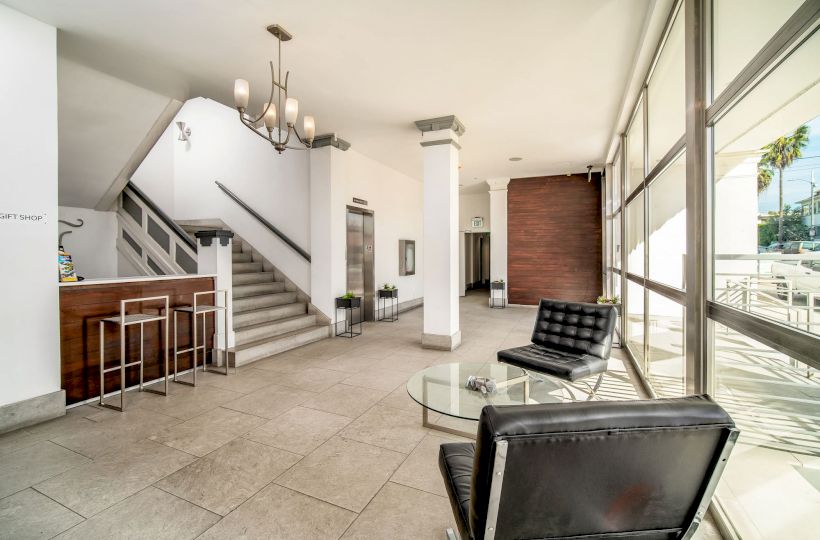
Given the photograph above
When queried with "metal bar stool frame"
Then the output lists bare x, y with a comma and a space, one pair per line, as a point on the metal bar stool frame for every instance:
195, 310
124, 320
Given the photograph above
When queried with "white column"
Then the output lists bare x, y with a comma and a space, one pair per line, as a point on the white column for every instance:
328, 241
440, 146
498, 230
214, 256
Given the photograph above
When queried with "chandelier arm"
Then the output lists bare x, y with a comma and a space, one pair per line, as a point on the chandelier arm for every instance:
273, 85
250, 127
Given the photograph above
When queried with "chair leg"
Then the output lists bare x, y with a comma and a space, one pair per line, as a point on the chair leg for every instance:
595, 387
451, 535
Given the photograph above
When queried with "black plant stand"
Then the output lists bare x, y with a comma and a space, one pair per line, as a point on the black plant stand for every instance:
391, 296
348, 305
498, 286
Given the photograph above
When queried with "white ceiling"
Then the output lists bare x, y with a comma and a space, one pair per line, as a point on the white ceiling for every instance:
540, 79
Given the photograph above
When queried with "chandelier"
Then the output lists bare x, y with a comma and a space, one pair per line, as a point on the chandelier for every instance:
271, 112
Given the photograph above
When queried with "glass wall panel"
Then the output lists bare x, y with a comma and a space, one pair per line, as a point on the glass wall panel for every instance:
665, 363
740, 29
616, 184
616, 240
666, 97
770, 486
634, 153
635, 236
667, 224
635, 321
766, 262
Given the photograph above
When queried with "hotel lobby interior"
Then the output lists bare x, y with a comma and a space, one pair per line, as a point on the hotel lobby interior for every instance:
370, 269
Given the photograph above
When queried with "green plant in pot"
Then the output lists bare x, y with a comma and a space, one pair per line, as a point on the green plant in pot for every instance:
348, 296
610, 300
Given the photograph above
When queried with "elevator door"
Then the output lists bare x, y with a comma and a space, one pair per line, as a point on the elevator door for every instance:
360, 246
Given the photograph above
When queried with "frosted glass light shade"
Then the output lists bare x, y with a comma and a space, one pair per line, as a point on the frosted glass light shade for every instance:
310, 128
270, 116
241, 93
291, 111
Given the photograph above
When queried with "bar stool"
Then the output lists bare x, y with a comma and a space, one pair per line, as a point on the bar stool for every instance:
195, 310
122, 322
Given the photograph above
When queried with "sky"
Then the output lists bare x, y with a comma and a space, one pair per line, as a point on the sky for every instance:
793, 188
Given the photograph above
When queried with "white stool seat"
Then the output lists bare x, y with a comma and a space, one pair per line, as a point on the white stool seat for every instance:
200, 309
134, 319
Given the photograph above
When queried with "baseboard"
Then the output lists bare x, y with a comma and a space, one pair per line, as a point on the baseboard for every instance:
407, 305
32, 411
441, 342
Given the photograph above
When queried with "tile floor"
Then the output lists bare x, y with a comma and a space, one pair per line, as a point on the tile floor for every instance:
322, 442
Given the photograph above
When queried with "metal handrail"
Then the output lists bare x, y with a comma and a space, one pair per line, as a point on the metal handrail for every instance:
268, 225
178, 231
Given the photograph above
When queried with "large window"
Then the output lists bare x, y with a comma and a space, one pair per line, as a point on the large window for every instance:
635, 236
635, 152
667, 225
665, 363
666, 91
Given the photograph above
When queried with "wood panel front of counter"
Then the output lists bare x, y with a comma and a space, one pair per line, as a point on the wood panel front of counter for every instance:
83, 306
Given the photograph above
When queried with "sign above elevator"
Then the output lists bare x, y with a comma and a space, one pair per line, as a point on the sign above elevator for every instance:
356, 200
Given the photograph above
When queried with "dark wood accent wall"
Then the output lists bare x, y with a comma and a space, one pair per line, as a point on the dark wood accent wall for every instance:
554, 239
83, 306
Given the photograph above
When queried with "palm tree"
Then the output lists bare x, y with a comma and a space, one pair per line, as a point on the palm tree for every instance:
779, 155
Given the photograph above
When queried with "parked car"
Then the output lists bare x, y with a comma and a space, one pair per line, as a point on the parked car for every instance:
804, 274
797, 247
775, 247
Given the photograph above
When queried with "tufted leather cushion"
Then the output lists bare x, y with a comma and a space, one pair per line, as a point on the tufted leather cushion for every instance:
564, 365
575, 327
455, 460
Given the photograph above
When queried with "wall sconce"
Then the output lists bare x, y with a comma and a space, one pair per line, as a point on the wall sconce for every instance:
184, 132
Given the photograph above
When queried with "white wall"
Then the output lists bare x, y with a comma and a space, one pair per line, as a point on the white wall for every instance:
29, 327
472, 205
93, 247
179, 177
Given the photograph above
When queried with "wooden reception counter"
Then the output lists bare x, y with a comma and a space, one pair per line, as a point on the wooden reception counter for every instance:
84, 303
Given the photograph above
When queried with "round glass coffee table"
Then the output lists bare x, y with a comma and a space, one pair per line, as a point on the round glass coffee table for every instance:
443, 389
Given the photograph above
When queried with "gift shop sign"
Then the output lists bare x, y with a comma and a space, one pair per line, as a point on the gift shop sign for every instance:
22, 217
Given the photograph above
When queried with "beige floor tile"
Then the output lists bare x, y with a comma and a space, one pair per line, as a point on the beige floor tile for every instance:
285, 363
270, 402
343, 472
112, 430
402, 513
205, 433
312, 379
33, 464
185, 402
227, 477
388, 428
300, 430
380, 379
344, 399
400, 399
244, 381
115, 476
405, 363
151, 513
74, 420
280, 513
28, 515
351, 362
420, 470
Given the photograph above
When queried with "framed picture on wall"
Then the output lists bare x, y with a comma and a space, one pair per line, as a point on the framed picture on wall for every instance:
407, 257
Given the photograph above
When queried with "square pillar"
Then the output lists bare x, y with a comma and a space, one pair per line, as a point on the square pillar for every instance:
440, 147
498, 230
214, 256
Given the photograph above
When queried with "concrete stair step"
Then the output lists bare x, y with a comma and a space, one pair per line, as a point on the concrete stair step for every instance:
241, 257
252, 277
257, 350
267, 330
246, 267
256, 289
267, 315
263, 301
236, 246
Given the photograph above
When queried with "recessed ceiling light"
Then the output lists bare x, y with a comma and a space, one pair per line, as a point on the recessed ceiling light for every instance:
516, 159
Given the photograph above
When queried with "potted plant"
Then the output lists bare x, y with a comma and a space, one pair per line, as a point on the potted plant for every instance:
388, 291
348, 300
497, 284
612, 301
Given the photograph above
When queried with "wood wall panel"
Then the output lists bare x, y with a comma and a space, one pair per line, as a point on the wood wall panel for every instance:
82, 307
554, 239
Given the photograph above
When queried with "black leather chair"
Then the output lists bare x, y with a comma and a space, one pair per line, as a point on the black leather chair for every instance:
570, 341
589, 470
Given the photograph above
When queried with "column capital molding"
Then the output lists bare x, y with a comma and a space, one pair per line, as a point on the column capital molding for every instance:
330, 139
498, 184
206, 237
442, 122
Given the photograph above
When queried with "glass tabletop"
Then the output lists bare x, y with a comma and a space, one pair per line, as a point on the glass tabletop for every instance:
443, 389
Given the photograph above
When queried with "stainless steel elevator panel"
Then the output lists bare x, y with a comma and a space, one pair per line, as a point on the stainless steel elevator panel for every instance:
360, 259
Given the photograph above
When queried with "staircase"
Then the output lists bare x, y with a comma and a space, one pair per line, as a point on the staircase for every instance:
267, 318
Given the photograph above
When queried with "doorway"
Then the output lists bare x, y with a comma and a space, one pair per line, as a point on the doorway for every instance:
476, 261
360, 258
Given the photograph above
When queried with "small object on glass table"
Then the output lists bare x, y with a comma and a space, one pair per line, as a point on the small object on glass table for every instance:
485, 385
